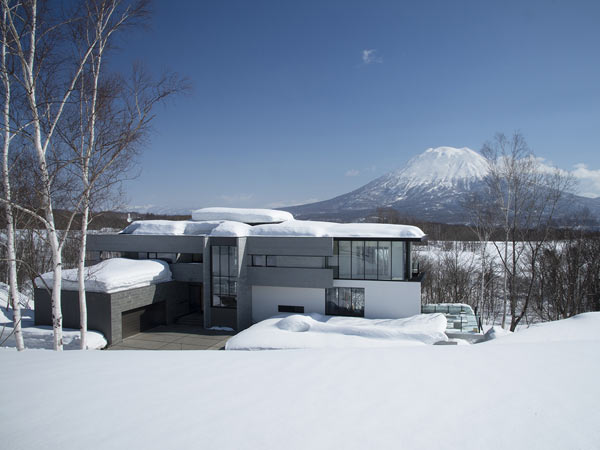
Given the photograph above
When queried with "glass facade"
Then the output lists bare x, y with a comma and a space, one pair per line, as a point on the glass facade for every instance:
224, 270
370, 260
345, 301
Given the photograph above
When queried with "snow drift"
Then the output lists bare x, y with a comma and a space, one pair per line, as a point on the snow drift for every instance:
319, 331
113, 275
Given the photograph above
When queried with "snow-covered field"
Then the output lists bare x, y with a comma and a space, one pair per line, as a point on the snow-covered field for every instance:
529, 390
296, 331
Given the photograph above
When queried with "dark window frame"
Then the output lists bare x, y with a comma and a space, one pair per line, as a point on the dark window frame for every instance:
407, 249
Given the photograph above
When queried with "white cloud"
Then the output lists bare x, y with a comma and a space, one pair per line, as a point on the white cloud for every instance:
588, 180
352, 173
370, 56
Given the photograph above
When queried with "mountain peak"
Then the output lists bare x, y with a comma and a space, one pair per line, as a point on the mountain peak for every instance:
444, 165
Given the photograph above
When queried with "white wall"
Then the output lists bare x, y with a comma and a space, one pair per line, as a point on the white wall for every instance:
387, 299
266, 299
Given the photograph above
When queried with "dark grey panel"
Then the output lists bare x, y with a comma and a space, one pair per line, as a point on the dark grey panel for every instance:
223, 240
189, 272
285, 277
145, 243
295, 245
98, 308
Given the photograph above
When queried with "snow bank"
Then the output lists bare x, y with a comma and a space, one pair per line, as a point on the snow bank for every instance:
319, 331
287, 228
331, 229
42, 337
113, 275
243, 215
583, 327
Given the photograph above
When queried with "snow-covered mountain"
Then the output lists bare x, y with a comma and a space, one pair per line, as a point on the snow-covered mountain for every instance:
432, 187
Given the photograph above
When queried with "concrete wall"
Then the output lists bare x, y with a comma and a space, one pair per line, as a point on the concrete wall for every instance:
290, 277
266, 299
290, 245
145, 243
188, 272
387, 299
98, 306
105, 310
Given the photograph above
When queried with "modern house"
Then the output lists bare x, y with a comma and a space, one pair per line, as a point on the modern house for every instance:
238, 267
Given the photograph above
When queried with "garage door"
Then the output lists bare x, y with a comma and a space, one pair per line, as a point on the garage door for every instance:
144, 318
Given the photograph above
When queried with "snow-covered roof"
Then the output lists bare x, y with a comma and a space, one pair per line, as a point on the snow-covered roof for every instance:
244, 215
113, 275
301, 228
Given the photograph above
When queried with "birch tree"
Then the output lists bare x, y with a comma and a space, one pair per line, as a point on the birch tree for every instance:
524, 197
8, 135
32, 46
114, 117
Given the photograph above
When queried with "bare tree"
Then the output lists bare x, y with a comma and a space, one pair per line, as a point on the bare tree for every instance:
524, 199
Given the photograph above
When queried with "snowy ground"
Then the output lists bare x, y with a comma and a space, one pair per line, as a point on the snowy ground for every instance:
296, 331
506, 394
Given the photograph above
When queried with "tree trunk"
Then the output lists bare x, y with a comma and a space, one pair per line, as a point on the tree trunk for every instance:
10, 220
81, 276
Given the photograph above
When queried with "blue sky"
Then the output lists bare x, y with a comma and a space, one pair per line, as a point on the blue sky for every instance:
295, 101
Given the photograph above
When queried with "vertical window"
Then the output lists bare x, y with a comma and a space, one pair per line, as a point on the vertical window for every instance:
371, 260
215, 261
233, 261
224, 260
345, 252
358, 260
398, 261
224, 267
345, 301
384, 260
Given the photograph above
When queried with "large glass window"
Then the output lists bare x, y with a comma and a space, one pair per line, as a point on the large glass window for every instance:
384, 260
344, 261
358, 260
369, 260
398, 261
224, 267
345, 301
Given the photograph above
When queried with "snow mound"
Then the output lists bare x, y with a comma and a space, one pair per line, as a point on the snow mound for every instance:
294, 323
330, 229
319, 331
582, 327
243, 215
113, 275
